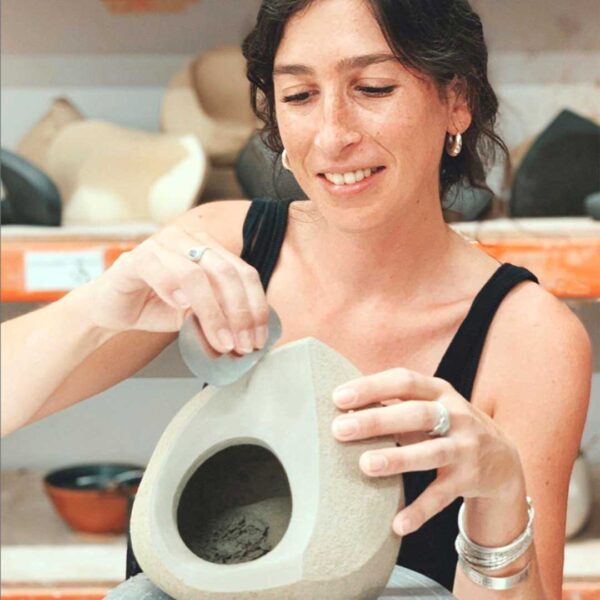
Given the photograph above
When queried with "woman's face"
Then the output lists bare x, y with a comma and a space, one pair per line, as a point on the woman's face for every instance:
364, 136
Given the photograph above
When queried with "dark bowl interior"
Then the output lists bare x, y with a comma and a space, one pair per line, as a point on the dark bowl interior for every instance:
67, 478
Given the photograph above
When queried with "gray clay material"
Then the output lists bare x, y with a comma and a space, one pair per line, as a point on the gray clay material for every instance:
244, 533
236, 507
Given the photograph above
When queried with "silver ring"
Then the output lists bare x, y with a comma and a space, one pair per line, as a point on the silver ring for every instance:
442, 427
195, 253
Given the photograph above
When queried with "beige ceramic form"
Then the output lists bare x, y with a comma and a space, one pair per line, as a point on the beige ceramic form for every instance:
248, 495
209, 98
108, 174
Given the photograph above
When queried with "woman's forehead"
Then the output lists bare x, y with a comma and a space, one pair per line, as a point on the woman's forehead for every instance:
331, 30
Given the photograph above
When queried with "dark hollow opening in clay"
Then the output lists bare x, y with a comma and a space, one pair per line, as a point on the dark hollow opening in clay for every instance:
236, 507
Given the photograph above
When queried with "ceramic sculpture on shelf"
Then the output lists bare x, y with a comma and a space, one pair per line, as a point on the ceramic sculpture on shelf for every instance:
29, 196
199, 100
248, 495
34, 145
558, 169
111, 174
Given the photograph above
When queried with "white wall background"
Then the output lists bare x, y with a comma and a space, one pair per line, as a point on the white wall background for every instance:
544, 56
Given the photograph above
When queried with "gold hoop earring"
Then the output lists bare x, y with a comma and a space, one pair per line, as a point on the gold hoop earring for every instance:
284, 160
454, 144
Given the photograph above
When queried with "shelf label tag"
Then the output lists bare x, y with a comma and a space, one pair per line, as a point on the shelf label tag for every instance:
57, 271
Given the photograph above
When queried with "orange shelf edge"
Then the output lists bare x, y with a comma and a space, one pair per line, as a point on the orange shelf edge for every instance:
568, 268
55, 592
12, 265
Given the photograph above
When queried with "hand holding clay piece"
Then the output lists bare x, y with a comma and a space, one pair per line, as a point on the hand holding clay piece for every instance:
220, 369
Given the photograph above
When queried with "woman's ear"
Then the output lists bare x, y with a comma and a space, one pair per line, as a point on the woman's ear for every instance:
459, 113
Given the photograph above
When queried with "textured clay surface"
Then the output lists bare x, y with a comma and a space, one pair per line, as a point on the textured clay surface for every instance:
214, 491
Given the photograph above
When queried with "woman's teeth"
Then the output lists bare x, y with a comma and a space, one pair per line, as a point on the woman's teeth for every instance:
351, 177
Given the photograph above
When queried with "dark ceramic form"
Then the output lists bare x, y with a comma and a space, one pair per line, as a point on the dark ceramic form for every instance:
560, 169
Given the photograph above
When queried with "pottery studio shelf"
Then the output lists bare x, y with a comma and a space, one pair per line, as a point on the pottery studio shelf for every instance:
43, 559
40, 264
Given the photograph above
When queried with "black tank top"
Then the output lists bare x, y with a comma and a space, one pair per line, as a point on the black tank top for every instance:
430, 550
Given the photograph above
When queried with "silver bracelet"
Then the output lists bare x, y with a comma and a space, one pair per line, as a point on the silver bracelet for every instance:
493, 558
489, 563
494, 583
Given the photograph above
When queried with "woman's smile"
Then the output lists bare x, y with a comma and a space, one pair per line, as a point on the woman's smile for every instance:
352, 182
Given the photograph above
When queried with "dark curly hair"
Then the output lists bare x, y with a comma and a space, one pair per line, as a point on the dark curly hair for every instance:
436, 38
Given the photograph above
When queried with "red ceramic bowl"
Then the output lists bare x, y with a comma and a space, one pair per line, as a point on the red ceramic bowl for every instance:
85, 498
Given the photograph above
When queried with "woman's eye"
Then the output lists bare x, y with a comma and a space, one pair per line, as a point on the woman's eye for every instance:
377, 91
301, 97
368, 90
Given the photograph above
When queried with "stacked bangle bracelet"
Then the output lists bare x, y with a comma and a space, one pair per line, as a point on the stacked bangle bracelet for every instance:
494, 583
473, 557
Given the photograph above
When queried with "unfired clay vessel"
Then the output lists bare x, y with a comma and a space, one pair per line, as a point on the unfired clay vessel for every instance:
248, 495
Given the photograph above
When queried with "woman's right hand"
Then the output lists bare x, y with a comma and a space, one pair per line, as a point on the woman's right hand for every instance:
155, 286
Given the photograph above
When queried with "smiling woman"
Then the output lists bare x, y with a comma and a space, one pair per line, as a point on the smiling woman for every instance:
379, 108
440, 43
481, 376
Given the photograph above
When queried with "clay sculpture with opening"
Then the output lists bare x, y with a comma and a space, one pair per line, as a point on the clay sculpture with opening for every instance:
248, 495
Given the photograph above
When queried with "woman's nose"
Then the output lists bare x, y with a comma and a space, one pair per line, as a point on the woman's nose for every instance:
336, 129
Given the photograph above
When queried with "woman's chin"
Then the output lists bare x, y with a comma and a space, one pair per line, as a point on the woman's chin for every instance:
358, 215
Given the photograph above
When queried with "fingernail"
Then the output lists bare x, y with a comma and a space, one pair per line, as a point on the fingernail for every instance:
244, 341
345, 426
226, 339
260, 335
377, 462
405, 526
180, 298
344, 396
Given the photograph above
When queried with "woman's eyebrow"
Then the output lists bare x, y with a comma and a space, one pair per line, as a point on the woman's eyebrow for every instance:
346, 64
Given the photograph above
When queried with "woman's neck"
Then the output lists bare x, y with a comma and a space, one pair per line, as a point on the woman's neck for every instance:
397, 260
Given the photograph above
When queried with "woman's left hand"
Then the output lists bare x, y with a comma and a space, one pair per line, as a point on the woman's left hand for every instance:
474, 459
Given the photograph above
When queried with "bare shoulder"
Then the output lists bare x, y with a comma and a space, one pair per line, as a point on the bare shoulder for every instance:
533, 318
222, 220
536, 348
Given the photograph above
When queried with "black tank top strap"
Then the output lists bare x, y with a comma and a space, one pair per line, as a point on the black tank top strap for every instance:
461, 359
263, 232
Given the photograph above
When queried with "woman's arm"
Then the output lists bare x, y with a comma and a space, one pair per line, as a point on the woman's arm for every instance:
106, 330
42, 349
537, 368
55, 356
518, 436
